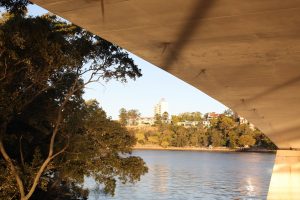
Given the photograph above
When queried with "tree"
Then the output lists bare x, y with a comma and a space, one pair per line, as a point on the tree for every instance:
204, 139
246, 140
175, 119
225, 124
15, 6
110, 143
262, 140
194, 137
228, 112
180, 137
165, 117
216, 138
123, 116
43, 61
188, 116
157, 120
198, 137
133, 116
233, 139
165, 138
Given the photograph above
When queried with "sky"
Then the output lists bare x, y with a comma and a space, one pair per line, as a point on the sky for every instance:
146, 91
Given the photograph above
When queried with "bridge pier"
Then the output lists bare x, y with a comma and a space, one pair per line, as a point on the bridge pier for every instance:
285, 180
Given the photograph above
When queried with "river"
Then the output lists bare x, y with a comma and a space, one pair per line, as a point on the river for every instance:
183, 175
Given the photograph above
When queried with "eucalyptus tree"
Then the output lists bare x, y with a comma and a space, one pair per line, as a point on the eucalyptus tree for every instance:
46, 138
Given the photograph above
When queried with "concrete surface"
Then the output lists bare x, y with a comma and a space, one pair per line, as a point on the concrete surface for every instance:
285, 181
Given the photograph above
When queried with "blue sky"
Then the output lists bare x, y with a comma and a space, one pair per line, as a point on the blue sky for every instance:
146, 91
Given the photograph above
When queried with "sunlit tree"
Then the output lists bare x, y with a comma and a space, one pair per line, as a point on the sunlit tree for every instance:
43, 117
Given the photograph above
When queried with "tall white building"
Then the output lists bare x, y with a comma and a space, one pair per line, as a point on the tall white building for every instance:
161, 107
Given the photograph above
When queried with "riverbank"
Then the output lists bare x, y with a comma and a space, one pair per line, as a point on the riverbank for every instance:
214, 149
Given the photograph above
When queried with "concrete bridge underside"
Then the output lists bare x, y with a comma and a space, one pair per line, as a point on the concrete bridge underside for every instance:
246, 54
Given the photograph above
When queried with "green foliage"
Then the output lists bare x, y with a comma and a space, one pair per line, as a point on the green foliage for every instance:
165, 138
246, 140
129, 117
158, 120
102, 152
8, 187
216, 138
165, 117
123, 116
133, 115
179, 137
15, 6
233, 139
225, 124
187, 116
42, 64
224, 131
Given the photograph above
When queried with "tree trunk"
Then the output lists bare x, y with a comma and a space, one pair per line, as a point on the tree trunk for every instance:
9, 162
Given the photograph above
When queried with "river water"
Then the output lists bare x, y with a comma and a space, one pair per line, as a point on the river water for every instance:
181, 175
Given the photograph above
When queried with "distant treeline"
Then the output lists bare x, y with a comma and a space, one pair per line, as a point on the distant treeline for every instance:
223, 131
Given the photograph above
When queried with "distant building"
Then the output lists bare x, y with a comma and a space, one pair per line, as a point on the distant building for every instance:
188, 124
146, 121
251, 126
212, 115
161, 107
242, 120
208, 117
206, 123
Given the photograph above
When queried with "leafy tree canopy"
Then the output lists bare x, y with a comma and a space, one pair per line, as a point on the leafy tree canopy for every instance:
223, 131
15, 6
50, 138
123, 116
187, 116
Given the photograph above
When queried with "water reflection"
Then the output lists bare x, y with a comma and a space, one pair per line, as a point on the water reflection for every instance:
198, 175
161, 183
250, 188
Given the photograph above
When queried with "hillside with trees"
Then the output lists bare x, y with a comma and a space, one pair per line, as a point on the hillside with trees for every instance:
223, 131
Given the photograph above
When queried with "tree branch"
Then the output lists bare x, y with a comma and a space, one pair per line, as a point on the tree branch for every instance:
37, 178
52, 141
12, 167
63, 149
54, 133
42, 169
21, 151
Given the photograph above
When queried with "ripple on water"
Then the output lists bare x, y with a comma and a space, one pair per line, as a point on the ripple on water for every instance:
177, 175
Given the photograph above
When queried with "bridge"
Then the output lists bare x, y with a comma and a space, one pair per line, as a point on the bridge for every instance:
246, 54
